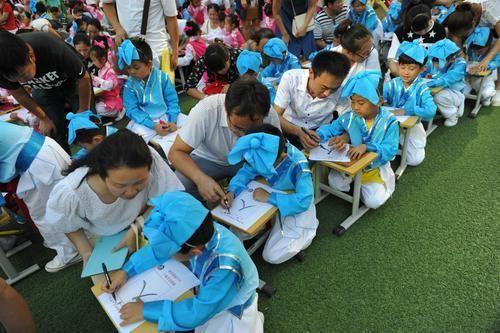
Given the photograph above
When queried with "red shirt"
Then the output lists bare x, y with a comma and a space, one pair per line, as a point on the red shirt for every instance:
10, 24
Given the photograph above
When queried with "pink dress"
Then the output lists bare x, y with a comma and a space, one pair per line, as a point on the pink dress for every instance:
195, 48
197, 14
234, 38
109, 103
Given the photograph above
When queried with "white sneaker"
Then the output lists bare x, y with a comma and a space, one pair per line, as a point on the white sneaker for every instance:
452, 121
486, 102
495, 101
56, 264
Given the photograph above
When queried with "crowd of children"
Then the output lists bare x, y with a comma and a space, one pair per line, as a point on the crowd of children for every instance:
259, 106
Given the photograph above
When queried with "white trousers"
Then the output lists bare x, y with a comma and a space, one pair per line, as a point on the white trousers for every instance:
34, 188
489, 87
416, 145
450, 102
294, 234
373, 195
100, 108
252, 321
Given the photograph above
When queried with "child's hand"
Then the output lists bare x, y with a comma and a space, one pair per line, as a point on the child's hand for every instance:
356, 152
170, 127
227, 201
118, 279
128, 241
399, 112
131, 313
337, 142
261, 195
161, 129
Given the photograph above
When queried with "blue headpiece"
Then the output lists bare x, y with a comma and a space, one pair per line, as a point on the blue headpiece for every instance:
364, 84
260, 150
274, 48
413, 50
248, 60
441, 50
80, 121
127, 52
478, 37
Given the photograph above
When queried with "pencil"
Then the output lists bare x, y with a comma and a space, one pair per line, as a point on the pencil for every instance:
309, 134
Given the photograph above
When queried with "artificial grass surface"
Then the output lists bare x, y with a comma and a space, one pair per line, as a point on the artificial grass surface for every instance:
427, 261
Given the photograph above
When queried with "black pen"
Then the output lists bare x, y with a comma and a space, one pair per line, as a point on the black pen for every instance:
309, 134
108, 278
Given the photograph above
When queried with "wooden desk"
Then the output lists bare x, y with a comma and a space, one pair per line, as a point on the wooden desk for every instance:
477, 97
353, 169
406, 128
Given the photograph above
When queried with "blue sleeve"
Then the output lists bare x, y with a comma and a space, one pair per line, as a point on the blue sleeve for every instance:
327, 131
171, 98
371, 21
297, 202
388, 148
294, 63
494, 63
426, 109
133, 111
142, 260
454, 74
240, 181
268, 71
213, 298
388, 92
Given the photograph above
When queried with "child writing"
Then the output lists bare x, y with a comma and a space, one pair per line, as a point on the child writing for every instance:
362, 13
411, 96
279, 59
232, 35
195, 46
370, 128
180, 227
479, 44
149, 97
267, 154
109, 104
446, 71
249, 64
85, 129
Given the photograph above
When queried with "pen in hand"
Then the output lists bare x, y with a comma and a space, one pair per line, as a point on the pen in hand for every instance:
108, 278
309, 134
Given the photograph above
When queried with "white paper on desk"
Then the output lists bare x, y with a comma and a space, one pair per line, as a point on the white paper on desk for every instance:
326, 153
245, 211
167, 141
164, 282
402, 119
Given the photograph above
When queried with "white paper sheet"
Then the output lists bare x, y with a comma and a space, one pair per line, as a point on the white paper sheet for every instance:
164, 282
167, 141
326, 153
402, 119
245, 211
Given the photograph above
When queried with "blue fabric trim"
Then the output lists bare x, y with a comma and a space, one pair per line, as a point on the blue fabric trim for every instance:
29, 151
239, 309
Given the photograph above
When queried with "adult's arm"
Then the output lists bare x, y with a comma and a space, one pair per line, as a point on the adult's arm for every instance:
483, 65
22, 96
83, 87
82, 243
173, 31
279, 21
108, 7
311, 10
15, 314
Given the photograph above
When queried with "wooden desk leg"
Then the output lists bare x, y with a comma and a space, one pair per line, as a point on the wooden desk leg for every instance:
477, 105
12, 274
430, 127
318, 193
357, 211
404, 154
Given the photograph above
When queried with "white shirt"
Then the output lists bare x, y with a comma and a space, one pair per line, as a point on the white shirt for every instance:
73, 205
370, 64
130, 15
490, 12
301, 108
207, 130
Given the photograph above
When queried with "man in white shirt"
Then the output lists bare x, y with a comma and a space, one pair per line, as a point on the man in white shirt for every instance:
200, 151
161, 13
307, 98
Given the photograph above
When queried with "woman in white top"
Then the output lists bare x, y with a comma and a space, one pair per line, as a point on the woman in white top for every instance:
356, 43
108, 189
211, 28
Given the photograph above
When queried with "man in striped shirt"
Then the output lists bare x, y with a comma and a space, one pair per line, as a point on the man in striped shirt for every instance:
334, 12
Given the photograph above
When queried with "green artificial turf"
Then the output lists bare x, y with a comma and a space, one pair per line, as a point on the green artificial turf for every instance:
427, 261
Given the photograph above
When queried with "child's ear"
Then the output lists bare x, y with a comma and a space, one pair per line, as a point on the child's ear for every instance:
97, 139
422, 69
380, 102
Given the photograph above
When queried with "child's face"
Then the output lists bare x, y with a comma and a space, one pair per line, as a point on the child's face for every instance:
83, 49
140, 70
228, 24
365, 49
184, 257
409, 72
92, 31
358, 7
125, 182
322, 85
98, 62
196, 3
213, 16
363, 107
337, 5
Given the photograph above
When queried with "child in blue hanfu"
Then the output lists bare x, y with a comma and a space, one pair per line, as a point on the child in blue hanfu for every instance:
85, 129
284, 167
226, 300
149, 97
280, 60
362, 13
410, 96
479, 44
446, 71
370, 128
249, 64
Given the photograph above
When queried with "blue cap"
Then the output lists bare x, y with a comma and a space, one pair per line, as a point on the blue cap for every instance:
274, 48
413, 50
260, 150
80, 121
364, 84
478, 37
127, 53
394, 10
248, 60
442, 49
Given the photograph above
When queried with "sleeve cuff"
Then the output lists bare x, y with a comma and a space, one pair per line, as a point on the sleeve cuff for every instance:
129, 269
173, 117
273, 200
151, 311
371, 147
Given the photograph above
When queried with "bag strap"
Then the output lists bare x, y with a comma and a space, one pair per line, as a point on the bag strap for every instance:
293, 8
145, 15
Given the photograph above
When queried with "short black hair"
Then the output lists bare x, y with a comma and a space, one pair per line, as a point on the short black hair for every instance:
86, 135
327, 2
234, 20
417, 18
406, 60
192, 29
15, 54
333, 63
270, 129
100, 52
247, 97
461, 19
263, 33
201, 236
40, 8
81, 38
216, 56
143, 49
95, 22
213, 6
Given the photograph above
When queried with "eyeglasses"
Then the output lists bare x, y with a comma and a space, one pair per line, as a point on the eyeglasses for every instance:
235, 128
364, 57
